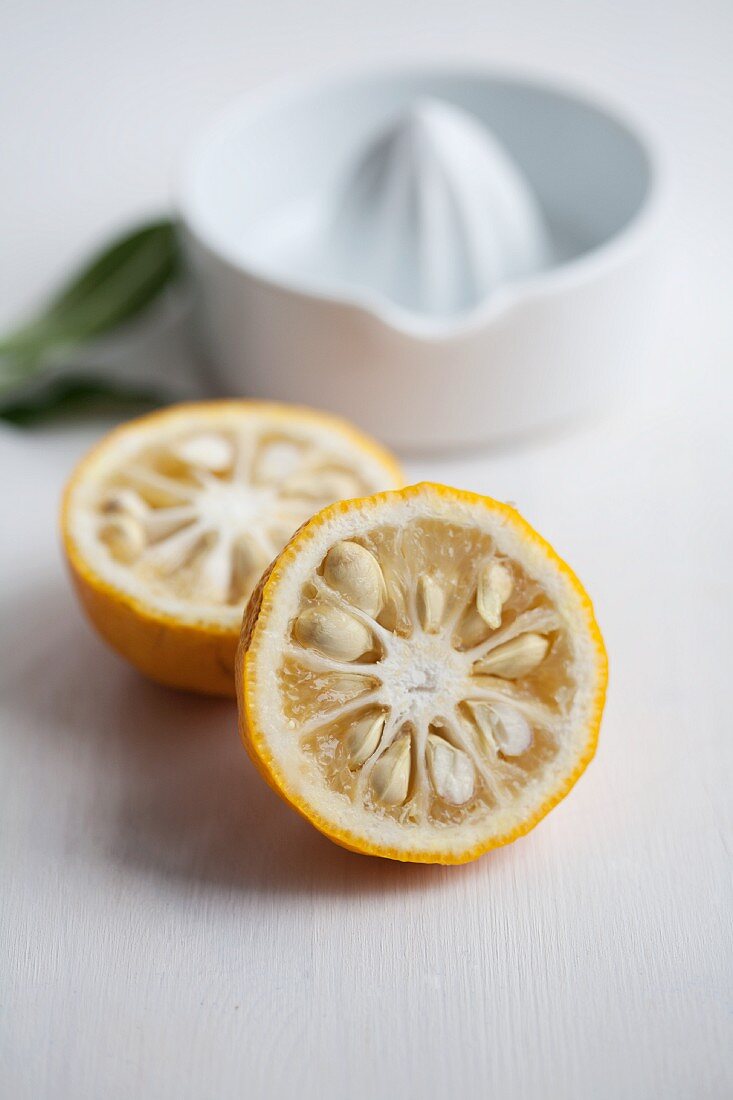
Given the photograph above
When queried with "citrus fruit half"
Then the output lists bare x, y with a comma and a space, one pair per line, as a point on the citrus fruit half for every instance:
169, 521
420, 675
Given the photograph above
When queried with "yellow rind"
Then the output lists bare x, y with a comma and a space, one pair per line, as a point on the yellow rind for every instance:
255, 618
195, 656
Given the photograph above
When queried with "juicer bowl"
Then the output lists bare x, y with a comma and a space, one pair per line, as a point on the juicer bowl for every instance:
546, 349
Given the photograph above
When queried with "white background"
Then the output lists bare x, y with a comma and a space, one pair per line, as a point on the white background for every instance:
169, 929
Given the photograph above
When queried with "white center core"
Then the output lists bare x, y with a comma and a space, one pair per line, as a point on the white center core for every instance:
421, 678
232, 506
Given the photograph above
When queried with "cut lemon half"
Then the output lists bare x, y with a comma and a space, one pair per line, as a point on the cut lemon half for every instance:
420, 675
170, 520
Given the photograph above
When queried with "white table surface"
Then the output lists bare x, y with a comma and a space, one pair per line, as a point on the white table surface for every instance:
169, 929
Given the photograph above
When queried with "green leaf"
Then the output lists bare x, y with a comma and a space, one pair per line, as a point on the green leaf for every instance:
74, 396
114, 288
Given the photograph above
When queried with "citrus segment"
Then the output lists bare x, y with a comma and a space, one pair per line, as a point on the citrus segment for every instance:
420, 675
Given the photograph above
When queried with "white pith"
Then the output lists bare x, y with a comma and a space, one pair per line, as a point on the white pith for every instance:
421, 681
215, 517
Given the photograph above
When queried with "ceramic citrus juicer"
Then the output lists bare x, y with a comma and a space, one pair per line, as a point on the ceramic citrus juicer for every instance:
448, 258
